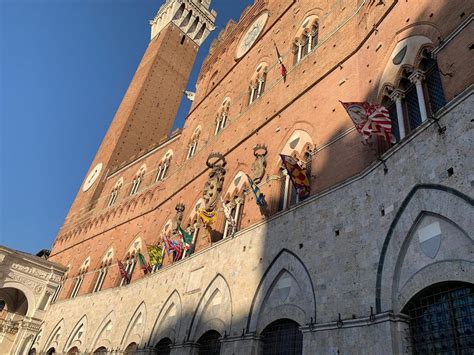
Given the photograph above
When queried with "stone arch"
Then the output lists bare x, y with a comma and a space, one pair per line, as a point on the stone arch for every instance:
168, 322
136, 325
77, 336
214, 310
28, 293
134, 247
54, 338
394, 284
404, 54
236, 185
102, 336
285, 291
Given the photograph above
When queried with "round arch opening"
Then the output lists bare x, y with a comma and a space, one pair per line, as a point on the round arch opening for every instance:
282, 336
131, 348
163, 347
442, 319
13, 301
209, 343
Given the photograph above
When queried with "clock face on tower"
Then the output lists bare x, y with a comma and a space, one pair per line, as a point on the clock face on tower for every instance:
251, 35
92, 177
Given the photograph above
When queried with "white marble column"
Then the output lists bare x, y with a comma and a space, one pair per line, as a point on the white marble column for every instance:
417, 77
397, 97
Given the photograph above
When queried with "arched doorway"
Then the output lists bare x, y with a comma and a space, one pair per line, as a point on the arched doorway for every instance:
282, 337
163, 347
131, 348
73, 351
209, 343
51, 351
442, 319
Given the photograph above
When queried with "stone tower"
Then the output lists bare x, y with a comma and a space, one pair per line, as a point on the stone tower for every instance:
148, 110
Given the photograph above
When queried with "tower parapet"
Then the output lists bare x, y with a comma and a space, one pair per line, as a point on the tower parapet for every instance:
193, 17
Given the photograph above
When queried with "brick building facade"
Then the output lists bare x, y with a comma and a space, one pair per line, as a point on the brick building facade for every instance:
340, 272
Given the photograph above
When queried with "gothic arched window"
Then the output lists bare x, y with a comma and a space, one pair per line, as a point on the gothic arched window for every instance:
257, 84
418, 95
163, 166
114, 193
137, 180
307, 38
192, 146
222, 116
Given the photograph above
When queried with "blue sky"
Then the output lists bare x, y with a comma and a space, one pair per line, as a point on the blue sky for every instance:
64, 68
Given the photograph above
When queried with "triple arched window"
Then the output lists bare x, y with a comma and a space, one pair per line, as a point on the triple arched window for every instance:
222, 116
164, 166
192, 146
418, 95
307, 38
137, 180
80, 278
115, 192
102, 272
257, 84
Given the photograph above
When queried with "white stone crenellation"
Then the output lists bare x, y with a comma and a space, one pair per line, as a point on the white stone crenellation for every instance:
194, 18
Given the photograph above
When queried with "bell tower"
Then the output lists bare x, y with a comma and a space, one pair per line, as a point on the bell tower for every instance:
148, 110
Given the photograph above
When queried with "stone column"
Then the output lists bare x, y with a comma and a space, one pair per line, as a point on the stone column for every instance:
397, 97
416, 77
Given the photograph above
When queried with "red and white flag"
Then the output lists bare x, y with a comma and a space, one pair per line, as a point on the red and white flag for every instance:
283, 70
370, 118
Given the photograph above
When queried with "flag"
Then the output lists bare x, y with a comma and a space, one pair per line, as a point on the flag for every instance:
123, 272
283, 70
259, 196
156, 255
143, 263
370, 118
207, 217
174, 247
187, 240
297, 175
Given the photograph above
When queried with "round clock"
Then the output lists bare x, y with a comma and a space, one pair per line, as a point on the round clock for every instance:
251, 35
92, 177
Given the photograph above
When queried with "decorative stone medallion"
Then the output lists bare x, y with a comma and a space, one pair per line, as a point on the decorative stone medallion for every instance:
251, 35
92, 177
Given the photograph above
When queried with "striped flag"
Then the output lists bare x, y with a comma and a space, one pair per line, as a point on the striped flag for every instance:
297, 175
283, 70
123, 272
370, 118
259, 196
